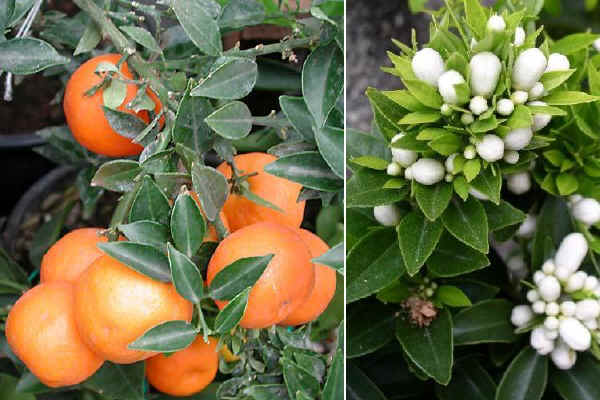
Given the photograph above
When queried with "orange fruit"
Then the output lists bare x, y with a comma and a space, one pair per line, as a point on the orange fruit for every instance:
211, 234
281, 192
85, 115
324, 288
187, 371
285, 283
41, 331
71, 255
115, 305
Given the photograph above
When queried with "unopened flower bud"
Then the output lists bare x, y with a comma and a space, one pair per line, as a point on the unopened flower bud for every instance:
571, 252
574, 199
520, 97
511, 157
387, 215
591, 324
539, 307
557, 62
469, 152
449, 163
552, 309
505, 107
446, 84
478, 105
533, 296
428, 171
449, 177
563, 356
587, 211
467, 119
518, 139
518, 183
521, 315
496, 23
408, 175
563, 274
538, 276
428, 66
527, 229
490, 148
394, 169
540, 120
485, 72
551, 323
591, 283
587, 309
528, 68
402, 156
568, 308
549, 289
446, 110
597, 44
540, 342
536, 91
519, 36
548, 267
575, 334
575, 282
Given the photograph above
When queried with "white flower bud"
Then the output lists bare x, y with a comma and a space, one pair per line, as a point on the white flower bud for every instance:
587, 211
516, 263
574, 199
591, 324
496, 23
521, 315
520, 97
552, 309
511, 157
533, 296
490, 148
478, 105
537, 91
548, 267
394, 169
449, 164
549, 288
467, 119
518, 139
557, 62
567, 308
527, 229
574, 334
428, 66
597, 44
481, 196
505, 107
528, 68
403, 157
551, 334
519, 36
571, 252
563, 357
540, 120
469, 152
587, 309
538, 276
446, 110
446, 84
540, 342
387, 215
591, 283
518, 183
408, 174
551, 323
575, 282
563, 274
449, 177
539, 307
473, 43
428, 171
485, 72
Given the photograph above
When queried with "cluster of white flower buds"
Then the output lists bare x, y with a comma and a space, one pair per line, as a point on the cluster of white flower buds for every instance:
426, 171
565, 301
585, 210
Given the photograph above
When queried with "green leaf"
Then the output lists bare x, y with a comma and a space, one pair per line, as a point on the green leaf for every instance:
250, 195
387, 112
567, 98
434, 199
190, 127
469, 381
525, 377
452, 258
446, 144
580, 382
118, 381
484, 125
420, 117
520, 118
297, 113
486, 322
8, 389
323, 81
90, 39
150, 203
117, 175
452, 296
333, 258
402, 98
307, 168
145, 259
554, 223
330, 141
567, 184
186, 276
502, 215
299, 381
232, 313
48, 234
373, 263
573, 43
237, 276
359, 386
232, 121
471, 169
125, 124
199, 24
467, 222
212, 189
232, 79
371, 162
429, 347
167, 337
114, 95
240, 13
370, 327
143, 37
418, 238
334, 385
476, 17
425, 93
365, 189
489, 184
187, 225
146, 232
554, 79
25, 56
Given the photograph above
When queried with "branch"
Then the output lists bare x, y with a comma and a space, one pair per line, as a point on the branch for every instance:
282, 46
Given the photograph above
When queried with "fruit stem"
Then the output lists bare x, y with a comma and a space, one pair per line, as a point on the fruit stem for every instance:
202, 323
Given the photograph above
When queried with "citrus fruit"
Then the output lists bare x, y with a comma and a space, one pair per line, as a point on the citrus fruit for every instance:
281, 192
115, 305
71, 255
285, 283
41, 331
324, 289
85, 115
187, 371
211, 233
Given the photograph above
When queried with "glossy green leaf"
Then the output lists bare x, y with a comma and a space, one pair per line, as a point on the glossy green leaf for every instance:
240, 13
150, 203
8, 389
467, 222
232, 121
297, 113
359, 386
118, 381
90, 39
238, 276
125, 124
232, 79
370, 327
502, 215
488, 184
297, 379
525, 378
200, 25
485, 322
25, 56
333, 258
418, 238
580, 382
451, 296
190, 128
366, 189
453, 258
212, 189
331, 146
469, 381
433, 200
145, 259
186, 276
187, 225
147, 232
571, 44
232, 313
566, 98
167, 337
142, 36
117, 175
334, 385
307, 168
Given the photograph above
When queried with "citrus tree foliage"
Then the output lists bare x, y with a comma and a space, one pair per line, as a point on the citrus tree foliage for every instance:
176, 49
440, 252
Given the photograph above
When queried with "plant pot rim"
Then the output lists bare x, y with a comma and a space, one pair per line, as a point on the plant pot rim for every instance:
20, 140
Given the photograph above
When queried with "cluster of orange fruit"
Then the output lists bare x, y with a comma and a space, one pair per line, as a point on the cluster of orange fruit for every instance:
89, 306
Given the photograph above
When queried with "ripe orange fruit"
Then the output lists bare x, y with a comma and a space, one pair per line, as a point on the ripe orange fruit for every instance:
187, 371
71, 255
211, 234
85, 115
41, 331
283, 193
285, 283
114, 305
324, 288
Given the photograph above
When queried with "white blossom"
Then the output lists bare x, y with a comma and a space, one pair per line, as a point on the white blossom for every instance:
557, 62
563, 357
518, 183
446, 84
575, 334
527, 229
521, 315
428, 66
490, 148
387, 215
518, 139
505, 107
587, 211
485, 72
496, 23
519, 36
478, 105
528, 69
402, 156
428, 171
549, 288
540, 120
571, 252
